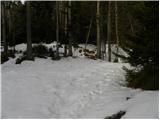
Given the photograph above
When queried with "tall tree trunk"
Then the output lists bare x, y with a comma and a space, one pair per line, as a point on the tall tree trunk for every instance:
98, 30
29, 41
13, 29
109, 31
116, 25
57, 27
130, 22
88, 32
103, 48
65, 30
4, 28
69, 24
59, 13
104, 55
13, 38
10, 24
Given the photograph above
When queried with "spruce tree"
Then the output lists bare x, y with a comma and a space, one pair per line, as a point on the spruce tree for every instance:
142, 48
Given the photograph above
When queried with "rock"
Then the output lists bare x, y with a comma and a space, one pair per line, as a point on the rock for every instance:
116, 115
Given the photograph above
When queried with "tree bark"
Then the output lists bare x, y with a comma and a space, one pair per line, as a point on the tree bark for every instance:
10, 25
4, 29
130, 22
108, 31
13, 38
116, 25
69, 24
13, 27
98, 30
57, 27
65, 30
88, 32
29, 41
103, 48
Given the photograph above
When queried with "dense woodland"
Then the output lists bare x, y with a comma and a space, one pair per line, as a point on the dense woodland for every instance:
132, 26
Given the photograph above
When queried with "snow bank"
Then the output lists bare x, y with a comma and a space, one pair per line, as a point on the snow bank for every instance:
143, 105
71, 88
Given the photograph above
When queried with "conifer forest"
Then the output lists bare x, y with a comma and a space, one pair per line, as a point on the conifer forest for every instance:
80, 59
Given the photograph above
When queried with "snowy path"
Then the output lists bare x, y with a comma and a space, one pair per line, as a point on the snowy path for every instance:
69, 88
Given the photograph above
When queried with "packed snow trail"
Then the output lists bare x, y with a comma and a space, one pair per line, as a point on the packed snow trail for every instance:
69, 88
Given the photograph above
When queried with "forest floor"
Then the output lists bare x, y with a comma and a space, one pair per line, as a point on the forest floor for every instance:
72, 88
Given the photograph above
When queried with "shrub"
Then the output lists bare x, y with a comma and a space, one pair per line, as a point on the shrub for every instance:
143, 49
145, 78
40, 51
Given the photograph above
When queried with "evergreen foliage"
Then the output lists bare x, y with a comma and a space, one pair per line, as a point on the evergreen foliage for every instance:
143, 48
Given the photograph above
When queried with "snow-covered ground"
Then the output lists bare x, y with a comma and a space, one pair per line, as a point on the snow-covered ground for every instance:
72, 88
